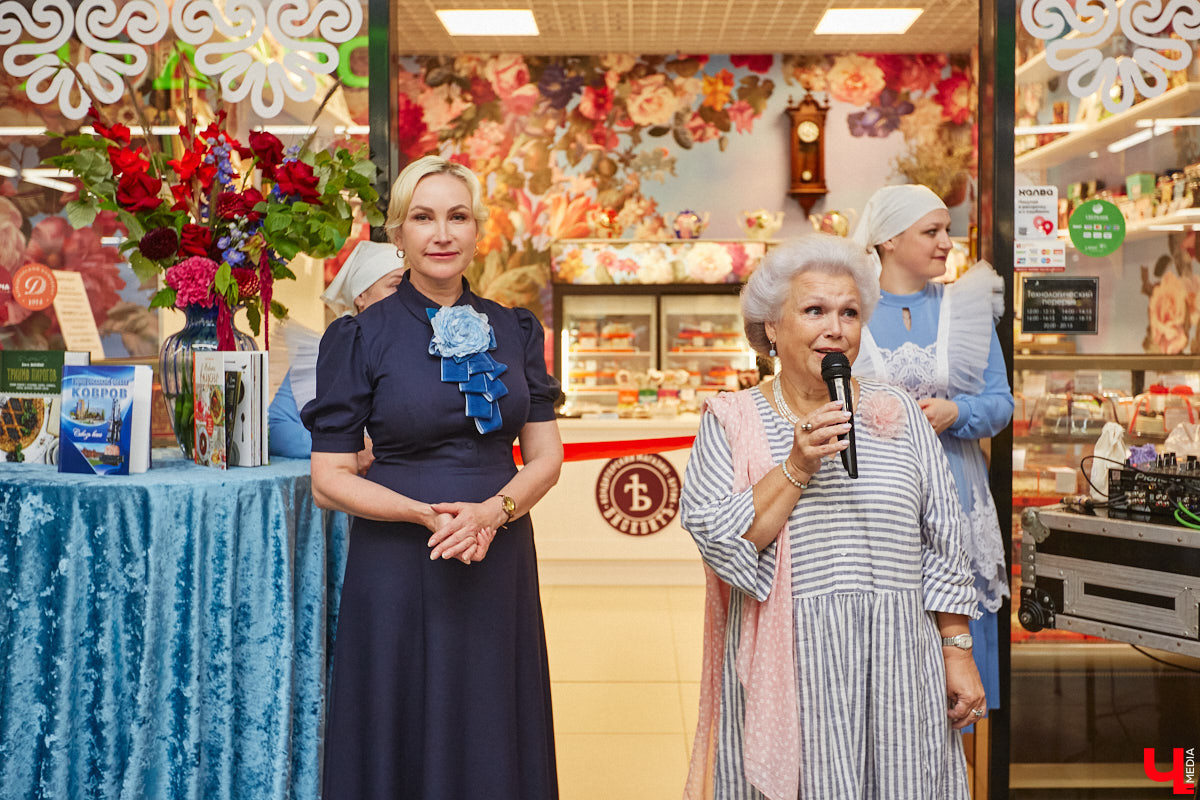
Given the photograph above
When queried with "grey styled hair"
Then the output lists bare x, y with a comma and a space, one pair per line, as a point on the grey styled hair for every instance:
768, 288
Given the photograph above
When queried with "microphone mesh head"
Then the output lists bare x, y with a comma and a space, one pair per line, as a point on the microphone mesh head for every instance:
834, 364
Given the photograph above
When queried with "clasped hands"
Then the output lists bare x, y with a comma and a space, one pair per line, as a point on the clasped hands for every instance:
460, 530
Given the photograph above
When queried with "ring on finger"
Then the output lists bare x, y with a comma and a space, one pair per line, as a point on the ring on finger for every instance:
977, 712
806, 427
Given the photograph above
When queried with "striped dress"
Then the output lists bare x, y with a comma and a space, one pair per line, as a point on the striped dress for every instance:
871, 559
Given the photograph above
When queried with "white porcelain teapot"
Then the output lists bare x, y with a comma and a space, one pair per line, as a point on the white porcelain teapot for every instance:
761, 224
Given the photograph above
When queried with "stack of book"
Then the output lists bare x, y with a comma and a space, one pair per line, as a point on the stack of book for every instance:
231, 402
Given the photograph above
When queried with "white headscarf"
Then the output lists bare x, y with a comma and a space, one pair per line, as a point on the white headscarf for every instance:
890, 212
368, 262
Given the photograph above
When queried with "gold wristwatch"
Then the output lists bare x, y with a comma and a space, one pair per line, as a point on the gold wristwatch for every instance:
509, 506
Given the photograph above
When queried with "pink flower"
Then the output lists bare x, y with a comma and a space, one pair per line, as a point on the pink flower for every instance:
1168, 314
708, 262
521, 101
911, 72
596, 102
701, 129
882, 413
490, 140
742, 115
54, 243
192, 280
652, 101
855, 79
506, 73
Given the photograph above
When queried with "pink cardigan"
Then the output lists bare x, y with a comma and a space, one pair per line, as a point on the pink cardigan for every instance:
765, 663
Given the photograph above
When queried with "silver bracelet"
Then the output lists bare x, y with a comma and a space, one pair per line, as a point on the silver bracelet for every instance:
788, 475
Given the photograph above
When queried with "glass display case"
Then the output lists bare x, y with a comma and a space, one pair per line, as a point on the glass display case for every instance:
648, 350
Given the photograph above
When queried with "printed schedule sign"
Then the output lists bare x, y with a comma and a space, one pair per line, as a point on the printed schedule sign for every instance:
1059, 305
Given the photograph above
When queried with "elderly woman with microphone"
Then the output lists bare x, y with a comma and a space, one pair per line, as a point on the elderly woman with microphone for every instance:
832, 600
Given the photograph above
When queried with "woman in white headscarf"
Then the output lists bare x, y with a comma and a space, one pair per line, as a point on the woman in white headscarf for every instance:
371, 273
938, 342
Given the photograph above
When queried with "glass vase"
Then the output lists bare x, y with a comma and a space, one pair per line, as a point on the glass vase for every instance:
199, 332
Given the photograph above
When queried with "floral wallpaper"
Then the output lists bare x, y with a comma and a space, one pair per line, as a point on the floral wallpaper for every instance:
627, 142
1172, 289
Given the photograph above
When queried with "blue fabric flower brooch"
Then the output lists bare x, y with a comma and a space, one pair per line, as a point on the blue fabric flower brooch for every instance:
462, 336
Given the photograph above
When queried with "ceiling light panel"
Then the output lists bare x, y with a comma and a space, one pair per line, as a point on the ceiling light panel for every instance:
488, 22
596, 27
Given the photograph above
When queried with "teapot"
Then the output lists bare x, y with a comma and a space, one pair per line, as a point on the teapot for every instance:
688, 224
835, 222
761, 224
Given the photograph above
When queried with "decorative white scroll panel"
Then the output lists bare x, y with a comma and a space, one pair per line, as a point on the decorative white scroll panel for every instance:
226, 36
1147, 24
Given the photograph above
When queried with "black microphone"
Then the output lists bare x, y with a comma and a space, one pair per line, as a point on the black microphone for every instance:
835, 371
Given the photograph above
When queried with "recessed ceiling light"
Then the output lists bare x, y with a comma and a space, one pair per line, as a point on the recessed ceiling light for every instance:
488, 22
861, 21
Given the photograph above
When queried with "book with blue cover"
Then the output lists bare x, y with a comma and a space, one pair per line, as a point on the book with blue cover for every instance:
105, 420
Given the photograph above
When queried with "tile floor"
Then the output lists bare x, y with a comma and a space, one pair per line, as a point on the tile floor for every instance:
625, 674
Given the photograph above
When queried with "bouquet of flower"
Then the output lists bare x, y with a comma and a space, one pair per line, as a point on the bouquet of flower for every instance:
220, 219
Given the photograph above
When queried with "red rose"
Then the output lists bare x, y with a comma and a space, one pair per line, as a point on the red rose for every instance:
138, 191
124, 161
296, 179
269, 150
754, 63
194, 240
252, 197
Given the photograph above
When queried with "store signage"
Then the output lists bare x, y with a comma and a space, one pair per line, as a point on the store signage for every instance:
231, 42
1036, 212
1096, 66
1097, 228
1040, 256
34, 287
1059, 305
638, 494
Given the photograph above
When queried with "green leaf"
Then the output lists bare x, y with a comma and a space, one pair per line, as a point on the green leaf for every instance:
132, 224
278, 309
367, 169
278, 222
163, 298
145, 269
223, 278
254, 317
281, 272
82, 213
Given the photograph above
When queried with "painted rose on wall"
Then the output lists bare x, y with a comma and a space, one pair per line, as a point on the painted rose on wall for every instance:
1173, 305
928, 98
564, 140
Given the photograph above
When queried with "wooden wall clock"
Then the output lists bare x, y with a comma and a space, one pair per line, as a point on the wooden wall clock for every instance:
807, 151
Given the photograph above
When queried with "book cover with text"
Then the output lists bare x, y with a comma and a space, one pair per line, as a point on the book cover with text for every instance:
105, 419
30, 383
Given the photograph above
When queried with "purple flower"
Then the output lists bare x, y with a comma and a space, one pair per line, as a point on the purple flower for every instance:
880, 119
558, 87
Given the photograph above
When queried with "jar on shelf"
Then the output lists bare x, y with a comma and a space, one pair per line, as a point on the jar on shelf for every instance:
1157, 411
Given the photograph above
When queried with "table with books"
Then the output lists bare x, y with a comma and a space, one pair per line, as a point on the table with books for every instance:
166, 634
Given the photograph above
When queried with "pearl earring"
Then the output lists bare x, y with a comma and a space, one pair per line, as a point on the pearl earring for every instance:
772, 353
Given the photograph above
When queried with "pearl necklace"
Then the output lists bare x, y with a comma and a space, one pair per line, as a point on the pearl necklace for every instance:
784, 408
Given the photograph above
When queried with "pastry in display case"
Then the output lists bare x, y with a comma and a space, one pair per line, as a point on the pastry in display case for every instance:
648, 351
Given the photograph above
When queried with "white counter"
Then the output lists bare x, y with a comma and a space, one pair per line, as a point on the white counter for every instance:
576, 545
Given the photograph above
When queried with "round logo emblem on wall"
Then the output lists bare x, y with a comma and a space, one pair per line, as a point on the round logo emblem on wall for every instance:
638, 494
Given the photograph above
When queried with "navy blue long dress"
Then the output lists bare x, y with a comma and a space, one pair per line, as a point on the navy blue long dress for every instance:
441, 688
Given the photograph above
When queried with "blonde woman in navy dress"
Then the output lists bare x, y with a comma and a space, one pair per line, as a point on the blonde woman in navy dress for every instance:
830, 669
441, 688
938, 342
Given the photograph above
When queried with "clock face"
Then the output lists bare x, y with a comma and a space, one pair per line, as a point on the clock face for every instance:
808, 131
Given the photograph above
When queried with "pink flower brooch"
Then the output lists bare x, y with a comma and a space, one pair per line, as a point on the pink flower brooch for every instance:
883, 414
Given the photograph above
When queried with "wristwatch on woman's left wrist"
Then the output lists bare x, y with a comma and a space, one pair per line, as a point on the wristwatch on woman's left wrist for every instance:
508, 506
962, 641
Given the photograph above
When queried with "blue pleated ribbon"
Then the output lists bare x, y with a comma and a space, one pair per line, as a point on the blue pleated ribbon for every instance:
478, 378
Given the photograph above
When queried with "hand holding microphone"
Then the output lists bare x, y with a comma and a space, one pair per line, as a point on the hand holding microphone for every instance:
835, 371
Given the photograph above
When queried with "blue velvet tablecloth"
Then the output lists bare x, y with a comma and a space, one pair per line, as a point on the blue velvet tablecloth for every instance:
165, 635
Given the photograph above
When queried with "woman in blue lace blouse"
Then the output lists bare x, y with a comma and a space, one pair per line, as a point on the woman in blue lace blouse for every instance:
441, 685
938, 342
